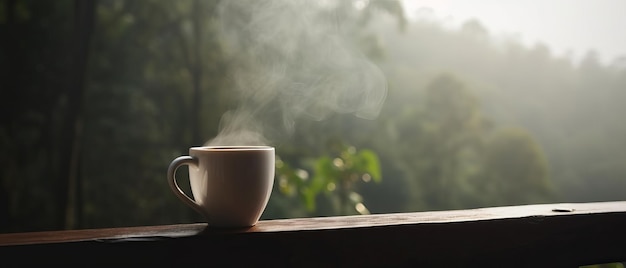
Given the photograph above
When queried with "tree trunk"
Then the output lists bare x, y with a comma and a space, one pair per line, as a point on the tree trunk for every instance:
7, 97
72, 127
196, 72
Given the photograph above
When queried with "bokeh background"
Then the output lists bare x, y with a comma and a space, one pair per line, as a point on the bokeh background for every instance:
98, 96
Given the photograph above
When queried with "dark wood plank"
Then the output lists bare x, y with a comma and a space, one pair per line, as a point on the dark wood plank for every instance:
520, 236
50, 237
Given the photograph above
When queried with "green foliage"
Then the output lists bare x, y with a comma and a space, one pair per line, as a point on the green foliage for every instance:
443, 145
570, 108
605, 265
334, 175
515, 169
159, 79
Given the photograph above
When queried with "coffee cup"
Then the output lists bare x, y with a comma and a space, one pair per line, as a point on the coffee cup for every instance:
230, 185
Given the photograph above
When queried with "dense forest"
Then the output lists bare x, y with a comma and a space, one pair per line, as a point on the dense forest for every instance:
369, 112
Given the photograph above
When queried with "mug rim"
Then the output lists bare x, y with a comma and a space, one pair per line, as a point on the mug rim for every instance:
229, 148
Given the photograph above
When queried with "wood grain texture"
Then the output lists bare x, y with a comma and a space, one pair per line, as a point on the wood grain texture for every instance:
552, 235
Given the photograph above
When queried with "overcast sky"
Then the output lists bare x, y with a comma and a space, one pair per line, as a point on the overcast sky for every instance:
564, 25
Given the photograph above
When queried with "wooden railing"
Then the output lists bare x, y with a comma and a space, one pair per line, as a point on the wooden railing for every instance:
550, 235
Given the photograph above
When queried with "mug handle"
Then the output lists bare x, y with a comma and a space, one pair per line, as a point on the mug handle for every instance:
171, 178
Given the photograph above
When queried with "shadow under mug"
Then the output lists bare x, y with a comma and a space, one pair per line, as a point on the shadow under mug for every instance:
231, 185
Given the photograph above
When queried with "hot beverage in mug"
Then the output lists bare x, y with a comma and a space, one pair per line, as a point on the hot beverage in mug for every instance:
231, 185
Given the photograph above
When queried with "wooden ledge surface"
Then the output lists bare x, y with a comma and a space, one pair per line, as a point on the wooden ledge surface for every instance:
321, 223
548, 235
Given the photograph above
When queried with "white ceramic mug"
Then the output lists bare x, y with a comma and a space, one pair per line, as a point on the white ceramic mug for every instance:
231, 185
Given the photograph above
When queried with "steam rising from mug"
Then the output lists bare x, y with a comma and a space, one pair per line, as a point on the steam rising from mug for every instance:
289, 60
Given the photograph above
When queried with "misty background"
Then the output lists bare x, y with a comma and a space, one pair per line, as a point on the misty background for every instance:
373, 106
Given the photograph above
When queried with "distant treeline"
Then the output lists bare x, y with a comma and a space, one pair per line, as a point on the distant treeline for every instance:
97, 97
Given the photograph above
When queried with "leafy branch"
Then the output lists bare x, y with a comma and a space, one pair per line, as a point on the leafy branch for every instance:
335, 175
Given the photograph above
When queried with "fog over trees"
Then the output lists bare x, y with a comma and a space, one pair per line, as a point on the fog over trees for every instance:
97, 97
